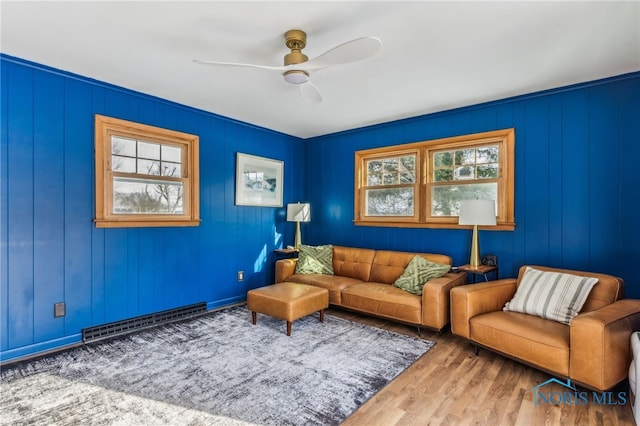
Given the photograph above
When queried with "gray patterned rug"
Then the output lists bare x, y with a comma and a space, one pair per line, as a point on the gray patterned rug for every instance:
215, 369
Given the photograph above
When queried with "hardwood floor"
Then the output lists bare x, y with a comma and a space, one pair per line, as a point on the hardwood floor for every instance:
450, 385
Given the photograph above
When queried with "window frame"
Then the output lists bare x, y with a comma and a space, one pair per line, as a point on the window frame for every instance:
425, 150
361, 183
105, 128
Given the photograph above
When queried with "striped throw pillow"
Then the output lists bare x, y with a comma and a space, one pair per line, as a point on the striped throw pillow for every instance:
315, 260
551, 295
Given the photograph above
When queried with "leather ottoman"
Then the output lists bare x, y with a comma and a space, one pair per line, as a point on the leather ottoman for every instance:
287, 301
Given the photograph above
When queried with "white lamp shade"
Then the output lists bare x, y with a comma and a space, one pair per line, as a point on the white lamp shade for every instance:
477, 212
299, 212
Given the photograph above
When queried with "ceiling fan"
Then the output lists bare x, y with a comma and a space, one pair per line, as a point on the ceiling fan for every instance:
297, 65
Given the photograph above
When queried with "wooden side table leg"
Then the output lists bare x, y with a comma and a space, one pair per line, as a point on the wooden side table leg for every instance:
253, 317
288, 328
321, 315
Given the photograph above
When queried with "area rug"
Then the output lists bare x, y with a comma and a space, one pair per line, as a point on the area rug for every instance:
214, 369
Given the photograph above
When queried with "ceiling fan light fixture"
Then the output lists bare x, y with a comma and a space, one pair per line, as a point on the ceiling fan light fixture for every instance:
296, 76
297, 65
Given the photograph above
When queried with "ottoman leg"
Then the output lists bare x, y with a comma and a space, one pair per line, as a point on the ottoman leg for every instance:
253, 317
321, 315
288, 328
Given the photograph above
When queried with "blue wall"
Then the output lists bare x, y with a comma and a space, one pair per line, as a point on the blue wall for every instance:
51, 251
577, 196
577, 153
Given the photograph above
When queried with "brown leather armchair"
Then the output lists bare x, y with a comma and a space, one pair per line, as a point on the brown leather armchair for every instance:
592, 351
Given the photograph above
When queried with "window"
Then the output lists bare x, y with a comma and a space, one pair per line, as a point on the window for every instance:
392, 183
389, 185
145, 176
421, 184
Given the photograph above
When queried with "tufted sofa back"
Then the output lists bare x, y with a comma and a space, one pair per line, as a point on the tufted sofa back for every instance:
352, 262
389, 265
381, 266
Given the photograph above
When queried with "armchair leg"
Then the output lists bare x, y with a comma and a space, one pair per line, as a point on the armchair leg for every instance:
476, 349
419, 332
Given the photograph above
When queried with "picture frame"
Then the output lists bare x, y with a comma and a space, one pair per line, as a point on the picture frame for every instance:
259, 181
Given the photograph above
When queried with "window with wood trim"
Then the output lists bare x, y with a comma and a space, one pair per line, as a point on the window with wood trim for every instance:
390, 185
421, 184
145, 176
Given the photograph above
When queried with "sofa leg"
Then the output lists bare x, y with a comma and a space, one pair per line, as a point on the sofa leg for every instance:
476, 349
419, 332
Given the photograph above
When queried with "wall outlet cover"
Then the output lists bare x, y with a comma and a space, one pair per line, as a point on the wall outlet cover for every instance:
59, 309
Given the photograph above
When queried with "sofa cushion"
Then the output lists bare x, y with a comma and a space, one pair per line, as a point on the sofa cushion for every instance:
352, 262
534, 340
551, 295
334, 283
383, 300
418, 272
315, 260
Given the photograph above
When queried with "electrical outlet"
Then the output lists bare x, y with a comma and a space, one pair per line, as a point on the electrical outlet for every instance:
59, 309
240, 276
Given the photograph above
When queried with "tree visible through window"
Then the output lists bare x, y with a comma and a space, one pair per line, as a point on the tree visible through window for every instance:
463, 174
391, 182
145, 176
421, 184
133, 194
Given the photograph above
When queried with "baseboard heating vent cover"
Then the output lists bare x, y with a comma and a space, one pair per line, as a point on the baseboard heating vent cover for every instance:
132, 325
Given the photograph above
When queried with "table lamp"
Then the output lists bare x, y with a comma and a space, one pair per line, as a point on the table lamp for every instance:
477, 212
298, 212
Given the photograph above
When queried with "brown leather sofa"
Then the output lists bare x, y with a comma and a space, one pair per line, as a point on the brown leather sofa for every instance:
362, 282
592, 351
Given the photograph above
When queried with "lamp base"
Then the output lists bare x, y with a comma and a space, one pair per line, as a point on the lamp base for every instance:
474, 259
298, 240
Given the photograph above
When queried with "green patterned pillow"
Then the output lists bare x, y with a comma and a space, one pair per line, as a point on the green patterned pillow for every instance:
315, 260
418, 272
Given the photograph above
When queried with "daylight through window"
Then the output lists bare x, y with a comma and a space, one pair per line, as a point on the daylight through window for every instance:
421, 184
390, 183
145, 176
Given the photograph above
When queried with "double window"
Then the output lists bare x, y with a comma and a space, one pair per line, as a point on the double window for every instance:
421, 184
145, 176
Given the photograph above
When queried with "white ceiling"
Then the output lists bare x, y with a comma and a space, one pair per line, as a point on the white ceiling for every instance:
436, 55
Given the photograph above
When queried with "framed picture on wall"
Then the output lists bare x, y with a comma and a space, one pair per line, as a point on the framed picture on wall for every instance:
258, 181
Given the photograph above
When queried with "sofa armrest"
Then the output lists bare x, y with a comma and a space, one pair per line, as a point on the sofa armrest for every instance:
600, 345
435, 299
284, 268
467, 301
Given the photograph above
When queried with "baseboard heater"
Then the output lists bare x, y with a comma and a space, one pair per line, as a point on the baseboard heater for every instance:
133, 325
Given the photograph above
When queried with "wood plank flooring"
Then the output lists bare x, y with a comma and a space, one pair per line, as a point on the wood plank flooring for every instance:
450, 385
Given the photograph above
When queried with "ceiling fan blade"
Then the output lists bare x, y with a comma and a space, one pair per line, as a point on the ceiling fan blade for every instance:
351, 51
310, 93
235, 64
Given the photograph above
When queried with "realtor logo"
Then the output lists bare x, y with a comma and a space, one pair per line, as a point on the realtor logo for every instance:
571, 396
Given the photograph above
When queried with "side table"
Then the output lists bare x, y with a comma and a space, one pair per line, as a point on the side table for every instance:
483, 270
287, 251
